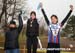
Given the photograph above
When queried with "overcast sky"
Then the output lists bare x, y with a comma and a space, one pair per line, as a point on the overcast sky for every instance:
57, 7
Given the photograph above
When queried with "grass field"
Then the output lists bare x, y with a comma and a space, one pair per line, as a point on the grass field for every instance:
22, 42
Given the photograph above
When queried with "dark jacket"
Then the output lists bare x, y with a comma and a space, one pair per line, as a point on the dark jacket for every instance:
34, 30
12, 35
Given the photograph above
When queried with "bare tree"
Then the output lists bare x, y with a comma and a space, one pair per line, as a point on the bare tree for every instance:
11, 9
4, 9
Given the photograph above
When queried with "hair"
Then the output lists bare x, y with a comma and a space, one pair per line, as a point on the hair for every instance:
55, 17
12, 22
33, 12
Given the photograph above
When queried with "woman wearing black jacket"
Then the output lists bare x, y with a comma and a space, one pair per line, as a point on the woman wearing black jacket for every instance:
11, 36
54, 31
32, 32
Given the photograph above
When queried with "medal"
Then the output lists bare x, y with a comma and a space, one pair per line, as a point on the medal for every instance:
55, 31
31, 23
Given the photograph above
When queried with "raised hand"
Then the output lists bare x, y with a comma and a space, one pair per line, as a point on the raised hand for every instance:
40, 6
71, 6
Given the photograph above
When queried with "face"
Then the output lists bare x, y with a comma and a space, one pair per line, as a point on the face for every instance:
33, 16
12, 25
54, 20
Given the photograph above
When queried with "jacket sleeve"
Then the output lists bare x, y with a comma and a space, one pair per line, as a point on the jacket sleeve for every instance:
65, 19
27, 27
37, 31
20, 23
45, 16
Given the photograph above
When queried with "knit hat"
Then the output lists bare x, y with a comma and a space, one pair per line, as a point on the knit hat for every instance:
12, 22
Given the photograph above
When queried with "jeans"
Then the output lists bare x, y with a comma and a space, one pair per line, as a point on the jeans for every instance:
12, 51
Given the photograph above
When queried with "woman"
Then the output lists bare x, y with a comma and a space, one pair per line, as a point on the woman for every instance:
32, 32
54, 30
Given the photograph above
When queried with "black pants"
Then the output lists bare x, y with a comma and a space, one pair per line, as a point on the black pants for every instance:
53, 45
32, 43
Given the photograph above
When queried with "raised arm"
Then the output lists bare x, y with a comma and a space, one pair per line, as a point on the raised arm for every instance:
65, 19
20, 23
45, 16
